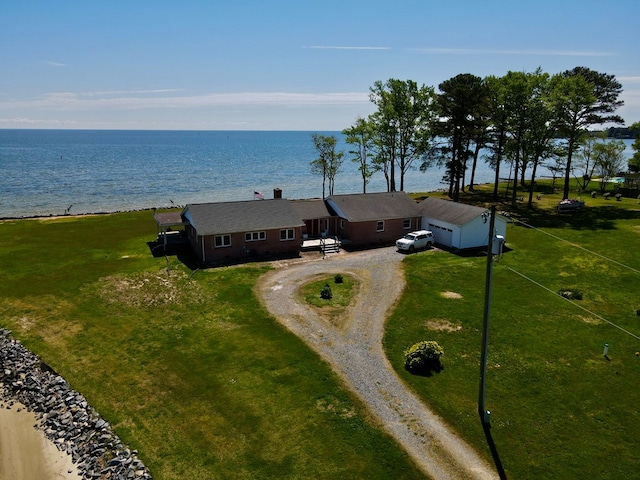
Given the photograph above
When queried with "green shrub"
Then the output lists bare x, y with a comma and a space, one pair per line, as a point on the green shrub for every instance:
326, 292
423, 357
338, 278
570, 293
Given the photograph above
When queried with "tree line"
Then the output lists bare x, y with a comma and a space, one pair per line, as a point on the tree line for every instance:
524, 120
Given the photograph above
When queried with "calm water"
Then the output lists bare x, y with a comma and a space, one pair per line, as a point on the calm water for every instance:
46, 171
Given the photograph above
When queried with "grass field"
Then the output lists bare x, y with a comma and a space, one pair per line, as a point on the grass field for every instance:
559, 408
191, 370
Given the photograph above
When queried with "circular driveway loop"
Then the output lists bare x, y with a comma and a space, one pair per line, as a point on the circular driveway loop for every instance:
355, 353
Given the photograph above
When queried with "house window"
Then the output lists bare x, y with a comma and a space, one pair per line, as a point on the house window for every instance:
222, 241
406, 223
255, 236
380, 226
287, 234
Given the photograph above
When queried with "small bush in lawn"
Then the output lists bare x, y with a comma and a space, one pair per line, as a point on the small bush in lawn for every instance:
422, 358
571, 294
338, 278
326, 292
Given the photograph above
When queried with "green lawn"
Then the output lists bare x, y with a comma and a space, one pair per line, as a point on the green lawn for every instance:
559, 409
190, 370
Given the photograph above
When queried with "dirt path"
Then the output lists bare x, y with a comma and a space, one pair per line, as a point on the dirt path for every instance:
355, 353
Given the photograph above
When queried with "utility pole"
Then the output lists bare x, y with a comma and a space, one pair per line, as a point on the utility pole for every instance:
482, 409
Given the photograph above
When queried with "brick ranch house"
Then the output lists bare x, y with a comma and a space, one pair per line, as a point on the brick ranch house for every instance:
232, 230
225, 231
374, 218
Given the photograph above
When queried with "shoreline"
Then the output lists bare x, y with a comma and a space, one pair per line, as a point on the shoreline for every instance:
51, 417
25, 451
53, 216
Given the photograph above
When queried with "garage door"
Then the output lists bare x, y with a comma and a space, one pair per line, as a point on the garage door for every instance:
442, 235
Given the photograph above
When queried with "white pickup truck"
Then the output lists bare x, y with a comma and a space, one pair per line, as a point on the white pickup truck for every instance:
416, 240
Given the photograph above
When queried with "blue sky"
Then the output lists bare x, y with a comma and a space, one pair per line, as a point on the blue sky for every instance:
283, 65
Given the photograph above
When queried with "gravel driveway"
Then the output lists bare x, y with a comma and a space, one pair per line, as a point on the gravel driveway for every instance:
355, 353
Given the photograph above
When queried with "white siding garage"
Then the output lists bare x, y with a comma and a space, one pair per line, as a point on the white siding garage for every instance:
459, 226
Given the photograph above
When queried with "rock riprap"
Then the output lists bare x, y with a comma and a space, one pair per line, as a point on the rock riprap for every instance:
64, 415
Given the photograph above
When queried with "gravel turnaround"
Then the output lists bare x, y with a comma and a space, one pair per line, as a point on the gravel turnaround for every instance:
355, 352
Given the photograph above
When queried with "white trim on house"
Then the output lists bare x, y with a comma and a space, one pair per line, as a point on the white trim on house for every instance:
255, 236
457, 225
289, 234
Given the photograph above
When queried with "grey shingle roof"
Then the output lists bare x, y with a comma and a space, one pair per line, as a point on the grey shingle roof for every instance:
375, 206
245, 216
168, 219
448, 211
310, 209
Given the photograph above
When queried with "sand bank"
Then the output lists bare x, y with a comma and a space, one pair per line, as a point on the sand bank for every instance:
25, 452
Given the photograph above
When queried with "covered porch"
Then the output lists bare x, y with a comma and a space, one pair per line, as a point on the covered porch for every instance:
170, 228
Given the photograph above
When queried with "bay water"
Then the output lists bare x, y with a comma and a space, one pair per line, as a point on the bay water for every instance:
51, 172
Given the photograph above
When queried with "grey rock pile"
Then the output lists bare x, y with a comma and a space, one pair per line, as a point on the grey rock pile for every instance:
64, 415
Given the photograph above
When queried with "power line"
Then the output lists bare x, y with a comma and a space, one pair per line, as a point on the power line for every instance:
578, 246
573, 303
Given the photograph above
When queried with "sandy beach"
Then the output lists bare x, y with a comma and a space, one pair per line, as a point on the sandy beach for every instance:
25, 452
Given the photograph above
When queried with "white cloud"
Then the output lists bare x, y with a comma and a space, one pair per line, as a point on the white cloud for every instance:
329, 47
629, 79
55, 64
142, 99
106, 93
482, 51
15, 122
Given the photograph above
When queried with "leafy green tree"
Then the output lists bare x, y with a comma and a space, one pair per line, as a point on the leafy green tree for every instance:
480, 140
609, 160
497, 116
461, 106
360, 136
586, 160
634, 162
401, 125
556, 167
538, 142
517, 97
583, 98
328, 162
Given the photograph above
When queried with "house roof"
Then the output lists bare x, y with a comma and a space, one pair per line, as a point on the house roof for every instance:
374, 206
311, 208
245, 216
448, 211
168, 219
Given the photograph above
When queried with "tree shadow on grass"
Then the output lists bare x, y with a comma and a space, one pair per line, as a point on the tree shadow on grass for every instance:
590, 218
599, 217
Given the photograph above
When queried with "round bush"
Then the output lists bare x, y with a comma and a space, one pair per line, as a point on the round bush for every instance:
338, 278
326, 293
423, 357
